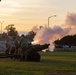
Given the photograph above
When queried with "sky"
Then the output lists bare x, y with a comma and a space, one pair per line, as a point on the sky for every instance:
25, 14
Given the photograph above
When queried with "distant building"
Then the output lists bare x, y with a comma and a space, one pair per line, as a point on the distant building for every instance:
65, 48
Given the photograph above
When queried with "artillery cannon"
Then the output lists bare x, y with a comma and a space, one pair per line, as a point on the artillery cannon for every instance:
31, 54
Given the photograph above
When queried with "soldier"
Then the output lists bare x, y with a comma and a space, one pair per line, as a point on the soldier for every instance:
12, 47
16, 45
24, 47
7, 47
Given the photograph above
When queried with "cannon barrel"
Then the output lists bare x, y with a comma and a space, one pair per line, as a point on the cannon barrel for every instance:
36, 48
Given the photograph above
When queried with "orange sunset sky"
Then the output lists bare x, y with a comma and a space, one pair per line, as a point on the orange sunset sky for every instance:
27, 13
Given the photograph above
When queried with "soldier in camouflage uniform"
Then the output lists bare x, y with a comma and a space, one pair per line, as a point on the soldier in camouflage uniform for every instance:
24, 47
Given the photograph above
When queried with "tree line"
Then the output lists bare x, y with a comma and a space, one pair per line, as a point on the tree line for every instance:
11, 31
69, 40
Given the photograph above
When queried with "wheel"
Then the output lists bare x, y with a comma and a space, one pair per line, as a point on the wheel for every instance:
33, 57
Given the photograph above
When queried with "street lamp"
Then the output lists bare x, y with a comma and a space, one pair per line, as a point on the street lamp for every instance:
1, 26
49, 18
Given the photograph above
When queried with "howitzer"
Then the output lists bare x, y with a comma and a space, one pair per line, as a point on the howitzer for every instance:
31, 54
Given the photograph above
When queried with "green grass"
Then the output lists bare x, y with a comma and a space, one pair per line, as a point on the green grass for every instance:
51, 64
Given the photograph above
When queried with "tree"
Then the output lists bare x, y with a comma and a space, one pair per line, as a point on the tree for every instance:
66, 40
11, 30
31, 35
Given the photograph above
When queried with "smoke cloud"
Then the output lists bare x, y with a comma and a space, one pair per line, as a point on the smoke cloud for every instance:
70, 21
49, 35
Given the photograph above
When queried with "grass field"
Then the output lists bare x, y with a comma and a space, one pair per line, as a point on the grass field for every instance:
56, 63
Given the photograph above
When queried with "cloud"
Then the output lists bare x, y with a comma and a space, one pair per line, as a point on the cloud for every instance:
71, 19
70, 23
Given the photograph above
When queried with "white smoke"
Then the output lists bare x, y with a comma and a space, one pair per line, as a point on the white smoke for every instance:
70, 21
49, 35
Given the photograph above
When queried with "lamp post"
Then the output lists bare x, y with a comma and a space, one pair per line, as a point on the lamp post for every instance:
1, 26
49, 18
